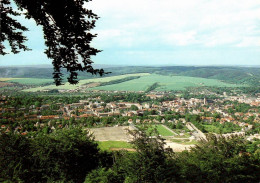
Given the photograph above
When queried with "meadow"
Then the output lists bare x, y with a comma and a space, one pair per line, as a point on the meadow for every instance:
83, 82
144, 82
8, 79
27, 81
161, 130
166, 83
31, 81
108, 145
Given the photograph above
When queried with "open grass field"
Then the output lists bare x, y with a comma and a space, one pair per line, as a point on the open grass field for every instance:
110, 145
27, 81
161, 130
166, 83
83, 82
8, 79
31, 81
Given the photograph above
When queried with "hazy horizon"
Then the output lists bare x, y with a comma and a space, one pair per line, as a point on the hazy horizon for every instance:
118, 65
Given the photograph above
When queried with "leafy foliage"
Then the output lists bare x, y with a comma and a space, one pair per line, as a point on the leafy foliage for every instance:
70, 155
66, 27
219, 159
66, 155
11, 30
150, 163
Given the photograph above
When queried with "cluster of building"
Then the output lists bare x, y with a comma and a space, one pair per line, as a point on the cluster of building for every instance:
97, 108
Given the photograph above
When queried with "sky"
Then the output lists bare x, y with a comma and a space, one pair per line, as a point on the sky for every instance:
164, 32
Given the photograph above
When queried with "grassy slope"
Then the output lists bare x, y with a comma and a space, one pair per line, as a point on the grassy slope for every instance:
106, 145
245, 75
163, 131
68, 86
31, 81
166, 83
8, 79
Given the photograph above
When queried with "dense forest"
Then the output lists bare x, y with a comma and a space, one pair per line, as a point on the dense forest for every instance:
72, 155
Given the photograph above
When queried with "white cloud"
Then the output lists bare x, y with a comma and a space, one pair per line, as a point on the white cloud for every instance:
181, 39
186, 22
249, 41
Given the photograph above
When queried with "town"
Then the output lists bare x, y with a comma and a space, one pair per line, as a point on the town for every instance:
222, 115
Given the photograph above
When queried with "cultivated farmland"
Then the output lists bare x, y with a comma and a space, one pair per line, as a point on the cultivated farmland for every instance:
8, 79
166, 83
143, 83
83, 82
31, 81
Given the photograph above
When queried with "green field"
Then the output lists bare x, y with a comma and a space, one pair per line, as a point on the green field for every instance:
224, 128
161, 130
8, 79
166, 83
107, 145
31, 81
68, 86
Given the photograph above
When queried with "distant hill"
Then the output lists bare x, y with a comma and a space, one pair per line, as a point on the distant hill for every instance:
237, 75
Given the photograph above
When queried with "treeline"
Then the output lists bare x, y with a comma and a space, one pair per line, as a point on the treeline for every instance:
71, 155
238, 75
152, 87
65, 156
119, 80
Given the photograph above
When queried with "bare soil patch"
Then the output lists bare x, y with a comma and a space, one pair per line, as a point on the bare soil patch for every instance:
119, 149
117, 133
176, 147
4, 84
91, 85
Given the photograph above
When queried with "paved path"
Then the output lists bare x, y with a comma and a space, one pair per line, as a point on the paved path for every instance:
199, 134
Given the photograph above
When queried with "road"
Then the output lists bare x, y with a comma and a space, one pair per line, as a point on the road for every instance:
196, 132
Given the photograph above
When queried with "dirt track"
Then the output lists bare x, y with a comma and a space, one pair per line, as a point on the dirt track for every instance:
4, 84
111, 133
178, 147
120, 134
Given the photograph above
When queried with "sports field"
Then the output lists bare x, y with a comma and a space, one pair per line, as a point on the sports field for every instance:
114, 145
116, 133
161, 130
